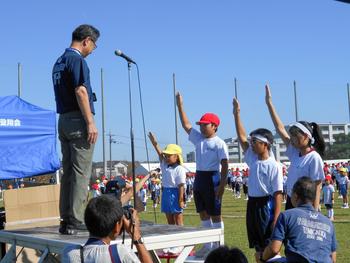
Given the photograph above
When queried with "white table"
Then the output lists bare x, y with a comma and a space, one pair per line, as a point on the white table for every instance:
48, 240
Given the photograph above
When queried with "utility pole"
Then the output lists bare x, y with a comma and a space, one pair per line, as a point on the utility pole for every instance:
111, 140
295, 101
103, 127
176, 130
238, 143
19, 74
348, 88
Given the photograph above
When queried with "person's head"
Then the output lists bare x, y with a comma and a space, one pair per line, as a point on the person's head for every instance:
85, 36
328, 179
304, 134
261, 140
103, 216
343, 171
223, 254
304, 191
209, 124
173, 154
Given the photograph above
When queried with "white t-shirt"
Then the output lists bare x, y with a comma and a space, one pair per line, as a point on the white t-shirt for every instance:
143, 195
172, 175
209, 151
96, 253
327, 190
310, 165
239, 179
265, 176
245, 180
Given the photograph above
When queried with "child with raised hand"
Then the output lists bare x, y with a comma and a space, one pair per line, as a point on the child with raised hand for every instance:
173, 181
265, 183
209, 184
305, 146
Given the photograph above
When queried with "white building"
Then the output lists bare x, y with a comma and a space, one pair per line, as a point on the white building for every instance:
118, 169
191, 157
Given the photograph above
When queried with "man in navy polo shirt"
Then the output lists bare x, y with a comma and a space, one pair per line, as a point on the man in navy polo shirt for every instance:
308, 236
76, 126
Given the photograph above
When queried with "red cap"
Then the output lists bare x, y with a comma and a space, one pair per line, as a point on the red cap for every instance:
209, 118
328, 177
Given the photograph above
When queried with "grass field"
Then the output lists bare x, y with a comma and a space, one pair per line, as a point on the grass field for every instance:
233, 212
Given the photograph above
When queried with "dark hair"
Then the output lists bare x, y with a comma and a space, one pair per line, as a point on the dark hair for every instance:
316, 133
84, 31
101, 215
223, 254
305, 189
265, 133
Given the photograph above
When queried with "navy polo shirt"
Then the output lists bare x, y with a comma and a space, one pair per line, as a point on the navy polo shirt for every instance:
69, 72
305, 232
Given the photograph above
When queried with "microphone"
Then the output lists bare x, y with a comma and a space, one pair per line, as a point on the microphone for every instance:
121, 54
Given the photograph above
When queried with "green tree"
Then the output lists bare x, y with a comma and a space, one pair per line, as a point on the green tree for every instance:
340, 149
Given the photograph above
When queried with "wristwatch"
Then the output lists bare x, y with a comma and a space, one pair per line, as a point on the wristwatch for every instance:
139, 241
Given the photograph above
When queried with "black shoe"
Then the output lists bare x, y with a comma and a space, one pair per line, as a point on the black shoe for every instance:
80, 226
66, 229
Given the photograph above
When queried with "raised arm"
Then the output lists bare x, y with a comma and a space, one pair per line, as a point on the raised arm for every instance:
128, 194
183, 117
241, 134
279, 126
155, 144
142, 252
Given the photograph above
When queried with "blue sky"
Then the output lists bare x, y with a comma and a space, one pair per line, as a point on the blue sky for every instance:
205, 43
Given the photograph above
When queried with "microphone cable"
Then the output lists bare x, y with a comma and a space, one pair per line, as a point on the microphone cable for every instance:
144, 129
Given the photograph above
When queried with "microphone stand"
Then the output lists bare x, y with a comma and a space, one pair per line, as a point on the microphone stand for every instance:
132, 146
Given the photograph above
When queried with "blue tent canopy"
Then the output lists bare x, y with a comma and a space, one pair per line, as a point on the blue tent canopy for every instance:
27, 139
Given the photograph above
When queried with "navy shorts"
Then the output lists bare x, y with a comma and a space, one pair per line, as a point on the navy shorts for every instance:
259, 218
328, 206
205, 186
245, 189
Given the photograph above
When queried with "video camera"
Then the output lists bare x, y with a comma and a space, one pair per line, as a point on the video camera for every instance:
115, 187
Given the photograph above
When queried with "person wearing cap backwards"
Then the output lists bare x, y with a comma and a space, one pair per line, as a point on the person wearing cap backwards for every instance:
265, 183
209, 184
328, 196
173, 181
305, 146
343, 181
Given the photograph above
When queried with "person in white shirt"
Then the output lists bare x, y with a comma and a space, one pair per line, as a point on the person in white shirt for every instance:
328, 196
265, 183
343, 181
305, 146
173, 181
209, 184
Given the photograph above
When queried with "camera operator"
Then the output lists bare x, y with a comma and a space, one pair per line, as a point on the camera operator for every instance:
105, 220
